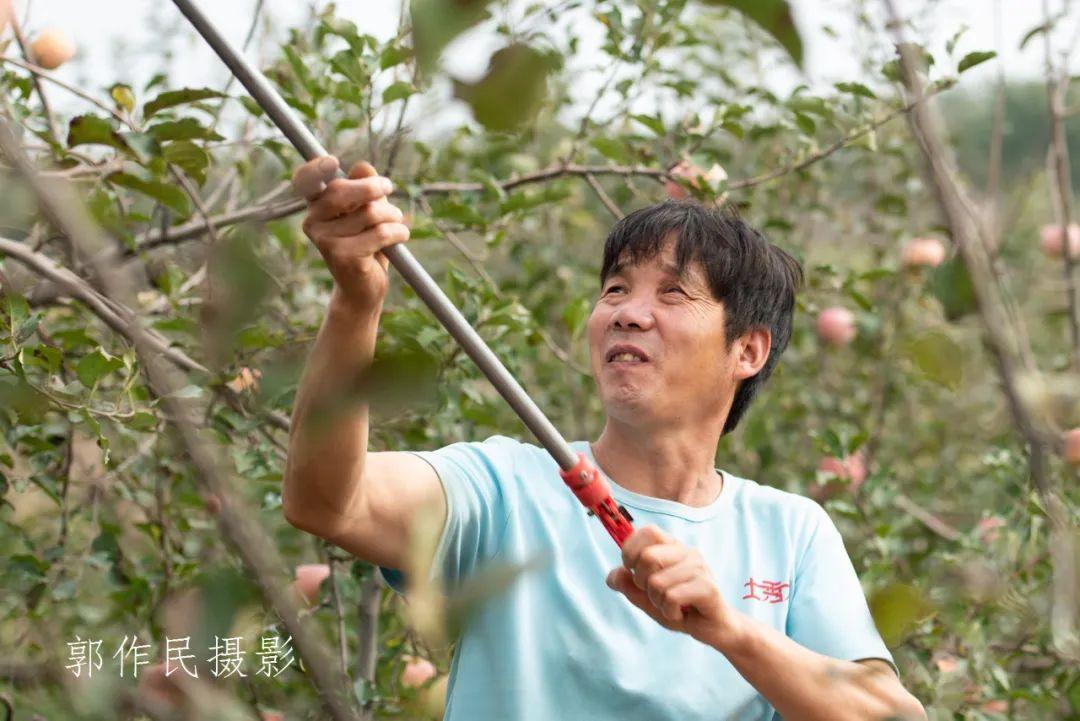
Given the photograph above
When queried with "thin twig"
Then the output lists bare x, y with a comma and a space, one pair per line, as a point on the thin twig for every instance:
604, 197
50, 118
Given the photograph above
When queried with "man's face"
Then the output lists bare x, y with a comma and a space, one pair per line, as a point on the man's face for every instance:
647, 310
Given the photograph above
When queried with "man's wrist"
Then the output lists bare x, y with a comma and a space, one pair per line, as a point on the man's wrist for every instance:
735, 635
350, 309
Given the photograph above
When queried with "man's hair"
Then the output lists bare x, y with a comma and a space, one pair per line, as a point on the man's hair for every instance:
755, 280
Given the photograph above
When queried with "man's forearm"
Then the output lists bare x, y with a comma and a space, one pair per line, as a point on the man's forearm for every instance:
806, 686
329, 436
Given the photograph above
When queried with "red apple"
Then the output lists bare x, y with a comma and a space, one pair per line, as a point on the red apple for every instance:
52, 48
923, 252
836, 326
309, 577
273, 716
1072, 447
848, 472
417, 671
686, 169
1051, 240
987, 528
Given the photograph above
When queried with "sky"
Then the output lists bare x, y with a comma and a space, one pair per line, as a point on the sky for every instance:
116, 41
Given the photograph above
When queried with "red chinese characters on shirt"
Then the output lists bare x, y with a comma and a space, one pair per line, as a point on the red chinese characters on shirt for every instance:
770, 591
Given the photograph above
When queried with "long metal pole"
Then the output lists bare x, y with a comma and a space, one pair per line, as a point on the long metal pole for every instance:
403, 260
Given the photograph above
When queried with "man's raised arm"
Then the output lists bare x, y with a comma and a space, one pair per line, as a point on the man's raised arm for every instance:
333, 487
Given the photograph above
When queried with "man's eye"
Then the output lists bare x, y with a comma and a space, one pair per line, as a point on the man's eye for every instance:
677, 289
613, 288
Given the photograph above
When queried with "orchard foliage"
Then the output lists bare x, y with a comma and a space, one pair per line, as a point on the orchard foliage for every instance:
108, 531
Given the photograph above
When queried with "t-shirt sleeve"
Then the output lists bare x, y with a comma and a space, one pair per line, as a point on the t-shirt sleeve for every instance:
828, 612
475, 477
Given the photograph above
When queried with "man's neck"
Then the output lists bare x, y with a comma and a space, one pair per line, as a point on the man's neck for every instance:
675, 464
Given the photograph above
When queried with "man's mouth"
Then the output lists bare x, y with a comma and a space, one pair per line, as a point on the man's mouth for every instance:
626, 354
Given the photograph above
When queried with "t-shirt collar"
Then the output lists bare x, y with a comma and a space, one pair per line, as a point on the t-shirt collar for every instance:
631, 499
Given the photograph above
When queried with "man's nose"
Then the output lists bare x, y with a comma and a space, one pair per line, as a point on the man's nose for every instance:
633, 313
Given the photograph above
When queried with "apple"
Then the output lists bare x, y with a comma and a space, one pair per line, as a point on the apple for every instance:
836, 326
686, 169
1072, 447
417, 671
309, 577
433, 698
52, 48
272, 716
923, 252
946, 662
987, 528
848, 472
246, 379
1051, 240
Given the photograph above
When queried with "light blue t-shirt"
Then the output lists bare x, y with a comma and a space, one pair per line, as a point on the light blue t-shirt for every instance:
560, 644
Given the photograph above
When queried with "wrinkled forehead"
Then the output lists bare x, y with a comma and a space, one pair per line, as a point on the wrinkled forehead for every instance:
665, 258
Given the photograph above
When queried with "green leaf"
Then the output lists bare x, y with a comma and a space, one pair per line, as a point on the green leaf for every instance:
1039, 29
190, 158
774, 16
855, 89
972, 59
436, 22
393, 55
512, 91
398, 91
938, 356
93, 130
168, 195
172, 98
92, 367
612, 148
896, 609
182, 129
144, 147
951, 284
653, 123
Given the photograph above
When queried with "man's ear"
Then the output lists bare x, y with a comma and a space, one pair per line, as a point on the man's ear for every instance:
753, 350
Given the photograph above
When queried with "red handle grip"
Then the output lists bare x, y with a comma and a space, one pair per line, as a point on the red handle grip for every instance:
592, 490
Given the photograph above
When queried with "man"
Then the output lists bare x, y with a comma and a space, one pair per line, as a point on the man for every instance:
693, 313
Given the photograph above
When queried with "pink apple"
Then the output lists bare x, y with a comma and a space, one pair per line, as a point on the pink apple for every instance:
987, 528
849, 473
1072, 447
686, 169
1051, 240
417, 671
52, 48
836, 326
309, 577
923, 252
